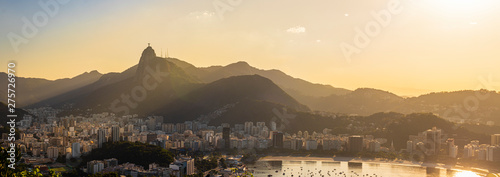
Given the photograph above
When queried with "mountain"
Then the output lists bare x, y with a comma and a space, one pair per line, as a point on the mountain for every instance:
104, 80
467, 105
232, 100
125, 92
140, 89
32, 90
157, 86
397, 127
291, 85
479, 105
363, 101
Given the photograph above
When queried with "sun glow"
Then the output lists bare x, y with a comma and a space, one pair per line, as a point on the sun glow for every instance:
466, 174
464, 7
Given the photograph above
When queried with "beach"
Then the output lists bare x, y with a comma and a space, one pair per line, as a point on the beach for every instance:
346, 159
377, 161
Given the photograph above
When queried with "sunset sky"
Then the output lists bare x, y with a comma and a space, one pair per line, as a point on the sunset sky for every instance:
429, 45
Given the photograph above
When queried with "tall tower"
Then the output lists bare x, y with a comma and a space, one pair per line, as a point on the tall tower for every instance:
101, 137
75, 149
115, 133
226, 131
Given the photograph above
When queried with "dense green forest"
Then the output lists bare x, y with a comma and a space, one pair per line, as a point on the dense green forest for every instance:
133, 152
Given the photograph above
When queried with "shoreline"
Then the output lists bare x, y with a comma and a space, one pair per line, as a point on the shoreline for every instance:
361, 160
343, 159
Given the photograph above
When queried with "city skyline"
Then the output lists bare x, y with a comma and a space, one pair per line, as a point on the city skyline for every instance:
427, 46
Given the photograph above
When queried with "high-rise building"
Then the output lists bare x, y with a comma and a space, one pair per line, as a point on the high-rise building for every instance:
168, 128
110, 162
151, 123
273, 126
277, 140
453, 151
311, 144
433, 140
151, 137
496, 154
374, 146
409, 146
75, 150
52, 152
261, 124
306, 134
355, 144
130, 127
226, 131
101, 137
495, 139
95, 166
293, 144
452, 148
189, 125
144, 128
189, 166
468, 151
185, 166
248, 127
56, 141
115, 133
490, 152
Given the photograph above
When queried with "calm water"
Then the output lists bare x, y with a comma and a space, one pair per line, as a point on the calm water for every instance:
348, 169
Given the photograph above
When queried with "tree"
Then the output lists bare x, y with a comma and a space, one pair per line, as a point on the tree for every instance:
416, 157
61, 159
134, 152
223, 163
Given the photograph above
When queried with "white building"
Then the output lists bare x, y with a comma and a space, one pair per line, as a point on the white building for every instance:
409, 146
101, 137
311, 145
115, 133
75, 150
495, 139
453, 151
95, 166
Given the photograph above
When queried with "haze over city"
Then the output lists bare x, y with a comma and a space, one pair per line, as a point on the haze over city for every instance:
431, 45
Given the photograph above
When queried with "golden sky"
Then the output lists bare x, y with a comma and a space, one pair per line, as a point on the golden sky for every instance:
425, 45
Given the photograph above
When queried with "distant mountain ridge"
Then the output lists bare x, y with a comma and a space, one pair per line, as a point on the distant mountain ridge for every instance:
363, 101
157, 86
286, 82
93, 91
33, 90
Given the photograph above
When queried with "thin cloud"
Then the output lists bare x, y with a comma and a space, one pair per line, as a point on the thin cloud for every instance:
201, 15
296, 30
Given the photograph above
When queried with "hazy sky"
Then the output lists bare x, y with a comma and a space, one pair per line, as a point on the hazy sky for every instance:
426, 45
